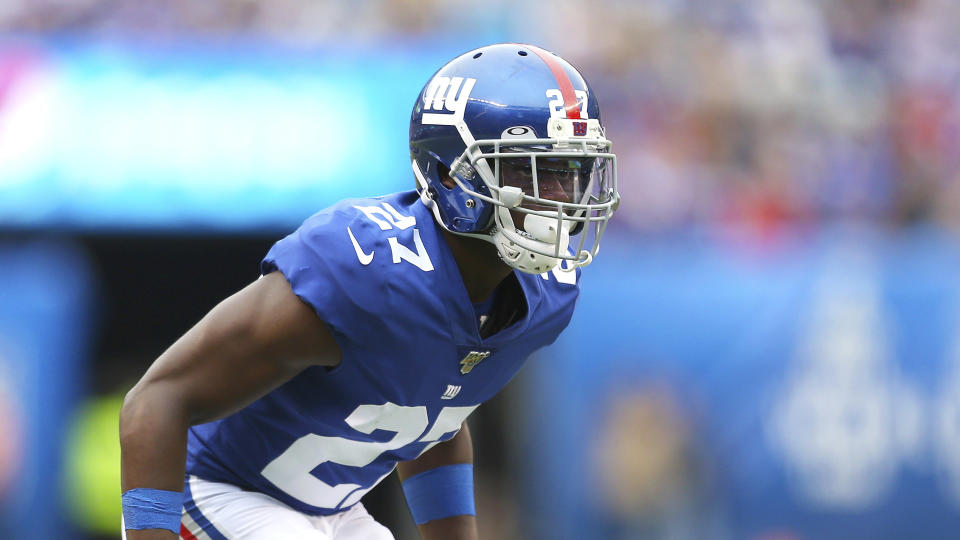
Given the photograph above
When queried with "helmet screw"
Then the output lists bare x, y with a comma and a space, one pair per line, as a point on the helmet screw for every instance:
470, 203
432, 192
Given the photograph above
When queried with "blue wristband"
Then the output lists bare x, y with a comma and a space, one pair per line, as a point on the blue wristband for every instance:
145, 508
439, 493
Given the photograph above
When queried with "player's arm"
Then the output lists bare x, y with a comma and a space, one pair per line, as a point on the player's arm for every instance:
246, 346
440, 482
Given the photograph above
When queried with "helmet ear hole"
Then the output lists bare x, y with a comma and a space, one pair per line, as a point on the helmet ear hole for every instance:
443, 174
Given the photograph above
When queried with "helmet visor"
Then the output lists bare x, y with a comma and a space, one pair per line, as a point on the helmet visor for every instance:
557, 179
548, 179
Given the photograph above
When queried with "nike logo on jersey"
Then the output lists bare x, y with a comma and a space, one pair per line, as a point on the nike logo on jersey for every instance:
451, 391
363, 257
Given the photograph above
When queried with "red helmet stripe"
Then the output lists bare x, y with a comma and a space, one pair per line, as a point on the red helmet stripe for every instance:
570, 103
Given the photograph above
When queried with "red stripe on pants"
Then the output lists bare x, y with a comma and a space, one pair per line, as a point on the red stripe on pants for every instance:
185, 533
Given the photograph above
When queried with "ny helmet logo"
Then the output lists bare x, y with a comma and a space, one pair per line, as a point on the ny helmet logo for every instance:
442, 93
471, 360
446, 94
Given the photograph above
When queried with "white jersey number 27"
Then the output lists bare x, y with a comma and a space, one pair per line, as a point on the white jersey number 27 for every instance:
388, 218
290, 471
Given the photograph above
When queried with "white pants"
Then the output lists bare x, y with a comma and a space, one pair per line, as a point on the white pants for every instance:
215, 511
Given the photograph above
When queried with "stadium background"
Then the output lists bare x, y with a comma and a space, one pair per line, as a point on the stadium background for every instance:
766, 349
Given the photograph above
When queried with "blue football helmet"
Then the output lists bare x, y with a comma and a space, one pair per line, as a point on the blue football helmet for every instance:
506, 145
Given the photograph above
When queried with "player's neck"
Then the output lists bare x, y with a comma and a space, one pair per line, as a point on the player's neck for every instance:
479, 265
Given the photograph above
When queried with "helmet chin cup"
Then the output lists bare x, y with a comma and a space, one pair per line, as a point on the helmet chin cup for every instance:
527, 249
546, 230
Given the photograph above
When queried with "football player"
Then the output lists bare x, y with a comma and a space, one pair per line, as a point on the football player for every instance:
380, 324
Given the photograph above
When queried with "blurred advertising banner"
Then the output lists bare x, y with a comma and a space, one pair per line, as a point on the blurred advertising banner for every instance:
701, 392
110, 136
44, 334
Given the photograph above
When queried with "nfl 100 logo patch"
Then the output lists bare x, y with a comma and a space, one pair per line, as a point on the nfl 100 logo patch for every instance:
471, 360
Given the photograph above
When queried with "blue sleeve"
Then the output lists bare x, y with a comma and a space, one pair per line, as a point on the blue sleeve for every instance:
315, 260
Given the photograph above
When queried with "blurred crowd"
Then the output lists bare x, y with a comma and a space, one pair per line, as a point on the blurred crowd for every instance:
745, 115
758, 114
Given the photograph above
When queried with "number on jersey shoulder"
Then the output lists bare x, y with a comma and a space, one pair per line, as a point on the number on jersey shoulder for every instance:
387, 218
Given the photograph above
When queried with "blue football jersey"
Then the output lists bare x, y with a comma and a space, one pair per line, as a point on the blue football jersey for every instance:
379, 273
